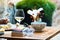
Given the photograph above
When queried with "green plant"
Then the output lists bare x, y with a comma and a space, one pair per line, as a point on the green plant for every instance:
48, 7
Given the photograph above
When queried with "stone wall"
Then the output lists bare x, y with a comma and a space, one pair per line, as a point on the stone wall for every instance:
1, 8
56, 15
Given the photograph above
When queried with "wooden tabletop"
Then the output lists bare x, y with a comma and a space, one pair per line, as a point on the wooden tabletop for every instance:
47, 33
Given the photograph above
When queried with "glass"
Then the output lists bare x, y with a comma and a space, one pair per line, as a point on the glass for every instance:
19, 15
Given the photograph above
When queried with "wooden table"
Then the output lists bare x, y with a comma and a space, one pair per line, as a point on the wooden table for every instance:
46, 34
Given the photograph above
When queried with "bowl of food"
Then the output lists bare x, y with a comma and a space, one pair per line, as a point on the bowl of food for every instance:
38, 26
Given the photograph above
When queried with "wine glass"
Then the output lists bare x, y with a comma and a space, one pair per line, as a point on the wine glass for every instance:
19, 15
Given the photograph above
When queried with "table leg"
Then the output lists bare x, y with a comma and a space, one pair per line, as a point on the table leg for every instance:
18, 39
12, 39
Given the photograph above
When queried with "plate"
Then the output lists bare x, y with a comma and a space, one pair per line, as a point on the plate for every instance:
1, 33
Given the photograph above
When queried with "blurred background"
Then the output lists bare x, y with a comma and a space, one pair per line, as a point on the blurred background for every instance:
52, 6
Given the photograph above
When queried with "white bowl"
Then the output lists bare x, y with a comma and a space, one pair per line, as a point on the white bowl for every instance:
38, 26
